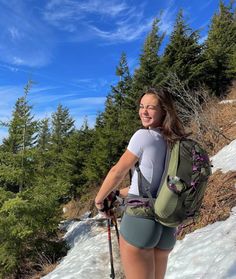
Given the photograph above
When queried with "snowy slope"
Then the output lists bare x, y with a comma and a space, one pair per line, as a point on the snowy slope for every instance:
207, 253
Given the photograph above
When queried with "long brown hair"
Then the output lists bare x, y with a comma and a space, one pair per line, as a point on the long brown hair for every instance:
172, 127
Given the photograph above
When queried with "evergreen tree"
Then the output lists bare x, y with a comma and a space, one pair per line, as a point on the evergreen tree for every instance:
28, 225
43, 154
124, 102
114, 126
123, 88
220, 49
232, 66
22, 127
17, 158
44, 135
182, 56
74, 158
145, 75
62, 127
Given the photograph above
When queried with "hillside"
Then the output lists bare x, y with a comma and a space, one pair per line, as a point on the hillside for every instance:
220, 195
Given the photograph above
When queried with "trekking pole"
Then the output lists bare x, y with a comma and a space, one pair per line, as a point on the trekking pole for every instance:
112, 275
114, 220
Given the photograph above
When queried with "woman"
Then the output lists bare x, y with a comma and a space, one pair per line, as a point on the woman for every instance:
145, 244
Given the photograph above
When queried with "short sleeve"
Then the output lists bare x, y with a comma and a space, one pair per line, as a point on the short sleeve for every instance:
136, 144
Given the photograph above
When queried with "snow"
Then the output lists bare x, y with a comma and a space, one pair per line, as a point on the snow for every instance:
207, 253
225, 159
227, 102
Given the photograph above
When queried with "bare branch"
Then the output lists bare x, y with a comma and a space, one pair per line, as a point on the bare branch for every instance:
194, 111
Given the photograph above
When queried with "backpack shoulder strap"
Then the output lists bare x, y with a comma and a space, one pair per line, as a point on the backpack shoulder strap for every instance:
171, 165
174, 159
137, 168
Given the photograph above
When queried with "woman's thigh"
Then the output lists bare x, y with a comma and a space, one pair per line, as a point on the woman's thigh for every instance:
161, 259
138, 263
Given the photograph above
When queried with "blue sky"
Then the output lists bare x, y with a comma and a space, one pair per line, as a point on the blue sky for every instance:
70, 48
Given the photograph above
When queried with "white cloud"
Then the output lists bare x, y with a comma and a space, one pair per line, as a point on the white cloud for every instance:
128, 22
29, 32
25, 39
124, 33
202, 39
8, 67
45, 102
206, 4
14, 32
18, 61
71, 10
3, 134
167, 19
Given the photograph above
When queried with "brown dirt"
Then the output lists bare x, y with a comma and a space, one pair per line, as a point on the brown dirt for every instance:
219, 198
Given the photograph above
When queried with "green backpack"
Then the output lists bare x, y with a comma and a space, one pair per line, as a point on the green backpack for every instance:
183, 183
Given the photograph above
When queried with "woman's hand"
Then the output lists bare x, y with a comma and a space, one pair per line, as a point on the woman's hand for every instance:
99, 205
107, 206
104, 209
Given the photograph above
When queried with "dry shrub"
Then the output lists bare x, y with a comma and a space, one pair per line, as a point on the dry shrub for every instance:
215, 121
219, 198
209, 120
75, 208
220, 195
46, 269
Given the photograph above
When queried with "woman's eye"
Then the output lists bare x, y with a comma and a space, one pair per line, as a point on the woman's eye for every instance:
151, 107
148, 107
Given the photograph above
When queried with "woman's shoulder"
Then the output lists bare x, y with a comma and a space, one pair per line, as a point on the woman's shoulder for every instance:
152, 131
140, 133
151, 134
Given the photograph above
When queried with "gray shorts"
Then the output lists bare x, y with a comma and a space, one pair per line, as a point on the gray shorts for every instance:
147, 233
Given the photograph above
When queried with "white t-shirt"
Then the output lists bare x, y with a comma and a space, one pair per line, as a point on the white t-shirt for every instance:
150, 147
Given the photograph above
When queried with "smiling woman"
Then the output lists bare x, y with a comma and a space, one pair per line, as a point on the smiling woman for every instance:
145, 243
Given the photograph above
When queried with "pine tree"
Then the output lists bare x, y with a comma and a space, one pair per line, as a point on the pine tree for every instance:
114, 126
220, 49
62, 127
74, 158
123, 88
232, 66
44, 135
43, 149
125, 102
18, 162
182, 56
145, 75
22, 127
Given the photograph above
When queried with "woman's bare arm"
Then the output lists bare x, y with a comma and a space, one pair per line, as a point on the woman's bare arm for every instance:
115, 176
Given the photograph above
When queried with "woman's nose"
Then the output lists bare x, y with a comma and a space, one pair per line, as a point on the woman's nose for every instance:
145, 110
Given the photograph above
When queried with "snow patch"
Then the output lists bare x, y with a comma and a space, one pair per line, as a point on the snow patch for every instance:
225, 159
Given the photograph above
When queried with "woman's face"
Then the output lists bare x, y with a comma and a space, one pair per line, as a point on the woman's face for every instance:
150, 112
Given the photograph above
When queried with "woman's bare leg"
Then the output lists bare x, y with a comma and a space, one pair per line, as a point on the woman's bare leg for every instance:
161, 259
137, 263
